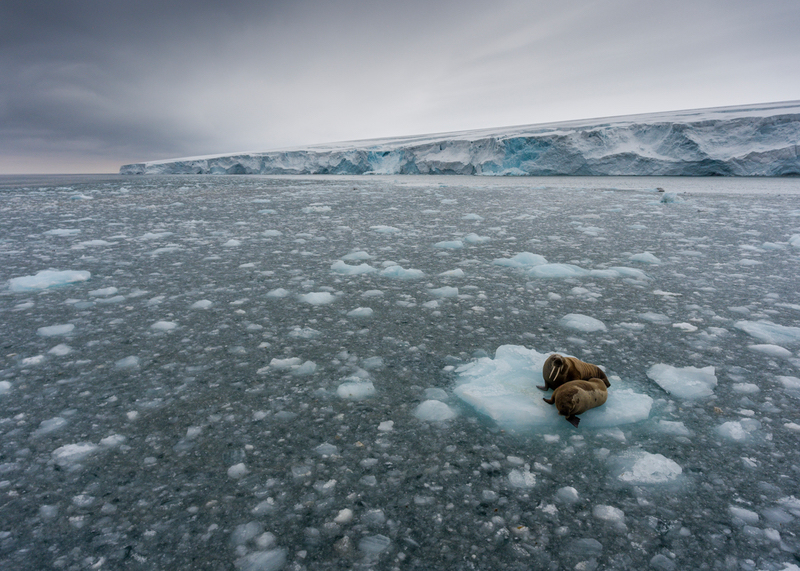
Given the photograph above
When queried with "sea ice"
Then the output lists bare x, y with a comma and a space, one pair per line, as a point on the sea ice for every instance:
398, 272
504, 389
769, 332
164, 325
46, 279
582, 323
449, 245
521, 260
341, 267
317, 298
355, 389
642, 468
771, 350
70, 454
645, 258
360, 312
434, 411
684, 382
55, 330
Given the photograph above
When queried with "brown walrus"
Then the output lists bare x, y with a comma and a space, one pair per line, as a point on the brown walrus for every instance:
558, 370
576, 397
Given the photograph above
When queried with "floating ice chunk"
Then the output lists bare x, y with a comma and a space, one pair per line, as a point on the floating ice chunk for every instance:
103, 292
356, 389
245, 532
473, 239
434, 411
49, 426
386, 426
381, 229
360, 312
372, 293
555, 271
445, 291
792, 383
131, 362
326, 449
278, 293
743, 515
271, 560
202, 304
745, 388
523, 478
55, 330
640, 467
32, 361
769, 332
372, 363
62, 232
164, 325
652, 317
374, 544
771, 350
285, 364
457, 273
93, 244
472, 216
794, 241
344, 516
684, 382
46, 279
582, 323
5, 386
674, 428
73, 453
436, 394
154, 235
237, 471
449, 245
60, 350
317, 298
738, 430
304, 333
357, 255
398, 272
688, 327
567, 495
316, 208
112, 440
504, 389
609, 513
521, 260
645, 258
271, 233
341, 267
232, 243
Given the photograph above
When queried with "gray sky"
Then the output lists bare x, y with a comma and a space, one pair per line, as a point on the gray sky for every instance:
87, 85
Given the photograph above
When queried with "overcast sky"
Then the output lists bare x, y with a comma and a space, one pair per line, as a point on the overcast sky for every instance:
87, 85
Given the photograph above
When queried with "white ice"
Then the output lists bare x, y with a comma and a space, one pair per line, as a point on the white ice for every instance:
769, 332
582, 323
46, 279
504, 389
684, 382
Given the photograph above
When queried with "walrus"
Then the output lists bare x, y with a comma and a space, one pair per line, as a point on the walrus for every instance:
558, 370
576, 397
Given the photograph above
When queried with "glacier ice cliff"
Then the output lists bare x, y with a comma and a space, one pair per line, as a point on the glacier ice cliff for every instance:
756, 140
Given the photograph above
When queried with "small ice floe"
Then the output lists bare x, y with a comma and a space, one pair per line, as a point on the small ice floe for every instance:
360, 313
315, 208
71, 454
771, 350
298, 332
356, 387
103, 292
55, 330
472, 216
400, 273
449, 245
434, 411
232, 243
32, 361
5, 387
47, 279
49, 426
386, 426
237, 471
382, 229
738, 430
372, 545
582, 323
357, 255
340, 267
317, 298
60, 350
642, 468
446, 291
202, 304
567, 495
645, 258
128, 363
684, 382
688, 327
278, 293
473, 239
522, 478
457, 273
504, 389
270, 560
791, 383
521, 260
63, 232
769, 332
272, 233
154, 235
743, 516
164, 325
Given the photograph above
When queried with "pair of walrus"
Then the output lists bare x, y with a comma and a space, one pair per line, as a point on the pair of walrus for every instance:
577, 386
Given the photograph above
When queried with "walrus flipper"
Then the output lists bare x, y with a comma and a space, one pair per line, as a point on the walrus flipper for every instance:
544, 388
574, 420
551, 400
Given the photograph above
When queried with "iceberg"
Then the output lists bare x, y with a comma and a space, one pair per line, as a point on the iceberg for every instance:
754, 140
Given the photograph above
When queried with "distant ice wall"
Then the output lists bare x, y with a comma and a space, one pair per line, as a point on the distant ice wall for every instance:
734, 141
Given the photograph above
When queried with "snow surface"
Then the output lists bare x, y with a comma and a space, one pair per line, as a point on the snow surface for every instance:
735, 141
289, 412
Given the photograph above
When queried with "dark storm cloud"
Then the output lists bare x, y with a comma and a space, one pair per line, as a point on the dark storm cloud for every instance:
87, 85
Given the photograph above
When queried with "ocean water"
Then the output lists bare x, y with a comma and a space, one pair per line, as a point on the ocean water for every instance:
267, 373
